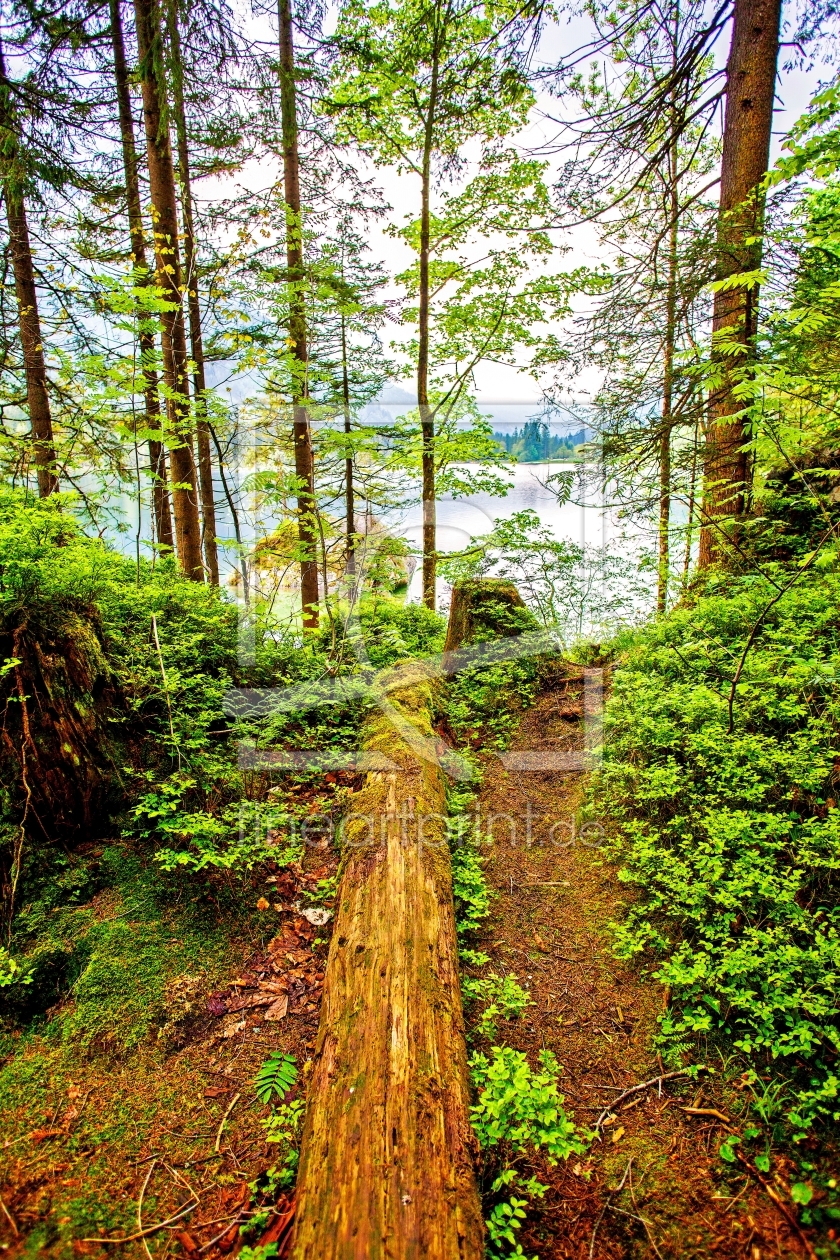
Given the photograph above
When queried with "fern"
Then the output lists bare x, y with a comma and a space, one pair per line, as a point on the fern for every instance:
276, 1076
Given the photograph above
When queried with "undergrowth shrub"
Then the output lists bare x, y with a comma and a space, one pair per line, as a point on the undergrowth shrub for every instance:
518, 1112
731, 837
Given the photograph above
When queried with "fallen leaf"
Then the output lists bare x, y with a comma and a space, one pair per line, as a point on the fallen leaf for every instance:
278, 1009
73, 1091
187, 1241
233, 1029
618, 1134
317, 917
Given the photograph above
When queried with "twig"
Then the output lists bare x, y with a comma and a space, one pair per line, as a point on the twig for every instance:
140, 1207
10, 1218
150, 1229
165, 689
774, 1195
618, 1188
231, 1106
234, 1220
642, 1219
707, 1111
636, 1089
752, 635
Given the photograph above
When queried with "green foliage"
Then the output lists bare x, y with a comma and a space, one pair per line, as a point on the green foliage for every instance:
731, 838
282, 1129
502, 996
520, 1107
277, 1075
11, 971
469, 887
571, 590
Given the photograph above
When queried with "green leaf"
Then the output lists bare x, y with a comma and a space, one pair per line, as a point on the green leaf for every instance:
801, 1193
276, 1076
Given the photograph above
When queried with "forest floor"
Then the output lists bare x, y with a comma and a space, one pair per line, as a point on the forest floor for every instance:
652, 1184
120, 1114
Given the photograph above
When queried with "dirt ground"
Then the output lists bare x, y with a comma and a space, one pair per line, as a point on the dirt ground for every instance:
652, 1184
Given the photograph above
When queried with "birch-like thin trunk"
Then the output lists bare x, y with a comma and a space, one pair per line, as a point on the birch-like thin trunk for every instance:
427, 421
157, 454
29, 322
202, 427
750, 92
668, 382
168, 276
349, 496
307, 528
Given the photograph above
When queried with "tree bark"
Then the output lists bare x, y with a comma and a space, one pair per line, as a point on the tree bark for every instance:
29, 322
157, 454
668, 379
427, 422
168, 277
750, 92
349, 497
386, 1166
307, 530
202, 427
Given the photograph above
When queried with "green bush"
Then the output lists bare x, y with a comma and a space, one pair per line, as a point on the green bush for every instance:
520, 1107
732, 837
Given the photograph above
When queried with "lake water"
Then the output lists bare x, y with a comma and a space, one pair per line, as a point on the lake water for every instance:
459, 521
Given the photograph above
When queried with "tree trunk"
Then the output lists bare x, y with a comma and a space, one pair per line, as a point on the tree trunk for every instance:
202, 428
349, 498
307, 531
168, 277
750, 91
35, 370
386, 1165
157, 455
668, 381
427, 422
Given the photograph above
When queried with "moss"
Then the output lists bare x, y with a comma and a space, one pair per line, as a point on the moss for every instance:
486, 608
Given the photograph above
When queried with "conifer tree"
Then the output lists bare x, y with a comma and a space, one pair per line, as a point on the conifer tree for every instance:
13, 176
750, 95
169, 281
157, 456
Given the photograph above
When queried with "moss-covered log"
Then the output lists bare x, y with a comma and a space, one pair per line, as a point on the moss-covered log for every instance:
386, 1164
485, 608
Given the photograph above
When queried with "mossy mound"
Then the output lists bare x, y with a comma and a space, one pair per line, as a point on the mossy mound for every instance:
486, 608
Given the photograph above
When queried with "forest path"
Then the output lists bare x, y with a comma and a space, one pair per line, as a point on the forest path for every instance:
549, 927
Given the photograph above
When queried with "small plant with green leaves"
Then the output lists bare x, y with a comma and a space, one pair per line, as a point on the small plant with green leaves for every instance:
277, 1076
517, 1111
11, 971
503, 996
520, 1107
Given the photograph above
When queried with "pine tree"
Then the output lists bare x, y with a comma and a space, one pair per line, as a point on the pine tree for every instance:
168, 275
13, 176
157, 456
750, 94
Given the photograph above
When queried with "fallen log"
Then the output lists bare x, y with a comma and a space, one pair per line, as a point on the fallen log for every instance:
387, 1155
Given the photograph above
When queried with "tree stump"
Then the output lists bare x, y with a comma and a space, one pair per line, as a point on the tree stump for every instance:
387, 1157
485, 608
